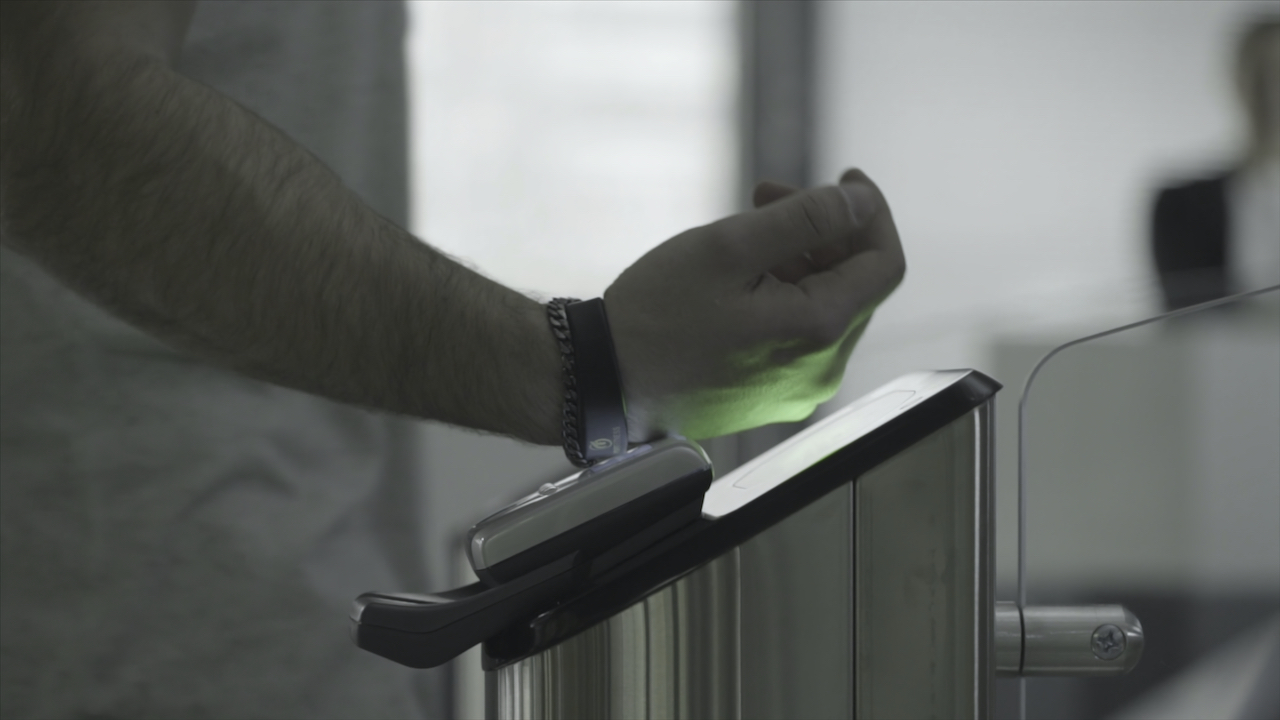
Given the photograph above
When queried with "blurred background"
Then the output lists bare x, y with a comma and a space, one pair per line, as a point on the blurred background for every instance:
1023, 148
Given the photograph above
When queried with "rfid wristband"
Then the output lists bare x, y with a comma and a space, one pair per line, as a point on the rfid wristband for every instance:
594, 423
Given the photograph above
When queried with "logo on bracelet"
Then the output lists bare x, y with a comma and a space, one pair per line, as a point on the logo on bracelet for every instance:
601, 444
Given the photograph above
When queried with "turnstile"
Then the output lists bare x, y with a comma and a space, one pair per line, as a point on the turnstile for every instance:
847, 572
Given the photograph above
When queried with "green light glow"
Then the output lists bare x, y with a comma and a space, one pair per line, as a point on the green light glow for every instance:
787, 385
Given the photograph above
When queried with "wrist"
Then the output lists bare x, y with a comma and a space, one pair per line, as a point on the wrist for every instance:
643, 423
543, 377
594, 422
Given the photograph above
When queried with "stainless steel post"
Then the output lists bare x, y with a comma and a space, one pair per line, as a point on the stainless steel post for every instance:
672, 655
874, 601
924, 569
844, 573
1067, 641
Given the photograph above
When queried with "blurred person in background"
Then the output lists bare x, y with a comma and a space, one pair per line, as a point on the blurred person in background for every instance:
1221, 235
216, 340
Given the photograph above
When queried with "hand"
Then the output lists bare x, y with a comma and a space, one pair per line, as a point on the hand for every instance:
750, 320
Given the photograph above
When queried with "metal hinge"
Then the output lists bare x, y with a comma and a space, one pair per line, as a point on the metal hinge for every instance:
1066, 641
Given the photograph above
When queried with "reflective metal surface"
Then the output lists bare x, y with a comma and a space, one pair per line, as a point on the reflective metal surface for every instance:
1080, 641
561, 506
924, 578
1067, 641
672, 655
874, 601
797, 610
1008, 639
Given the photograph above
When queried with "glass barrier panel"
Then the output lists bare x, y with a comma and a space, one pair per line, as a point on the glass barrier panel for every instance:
1152, 480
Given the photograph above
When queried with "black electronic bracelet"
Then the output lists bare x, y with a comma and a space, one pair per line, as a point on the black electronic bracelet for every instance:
594, 424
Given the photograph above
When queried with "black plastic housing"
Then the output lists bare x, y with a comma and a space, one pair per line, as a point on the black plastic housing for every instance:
636, 525
424, 631
606, 593
565, 585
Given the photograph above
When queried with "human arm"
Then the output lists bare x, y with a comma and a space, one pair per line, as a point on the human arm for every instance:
199, 222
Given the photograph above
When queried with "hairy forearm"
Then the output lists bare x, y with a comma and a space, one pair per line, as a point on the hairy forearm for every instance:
189, 216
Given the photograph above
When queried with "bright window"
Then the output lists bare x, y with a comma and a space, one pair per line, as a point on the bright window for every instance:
555, 142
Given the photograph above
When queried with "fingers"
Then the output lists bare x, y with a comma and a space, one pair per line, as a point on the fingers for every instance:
768, 191
793, 270
876, 263
799, 266
791, 226
854, 175
838, 245
857, 285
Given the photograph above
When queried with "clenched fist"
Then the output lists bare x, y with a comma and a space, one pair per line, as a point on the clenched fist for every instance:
750, 320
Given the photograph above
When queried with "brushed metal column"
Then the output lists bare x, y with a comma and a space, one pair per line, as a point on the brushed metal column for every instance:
924, 578
874, 601
672, 655
797, 614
